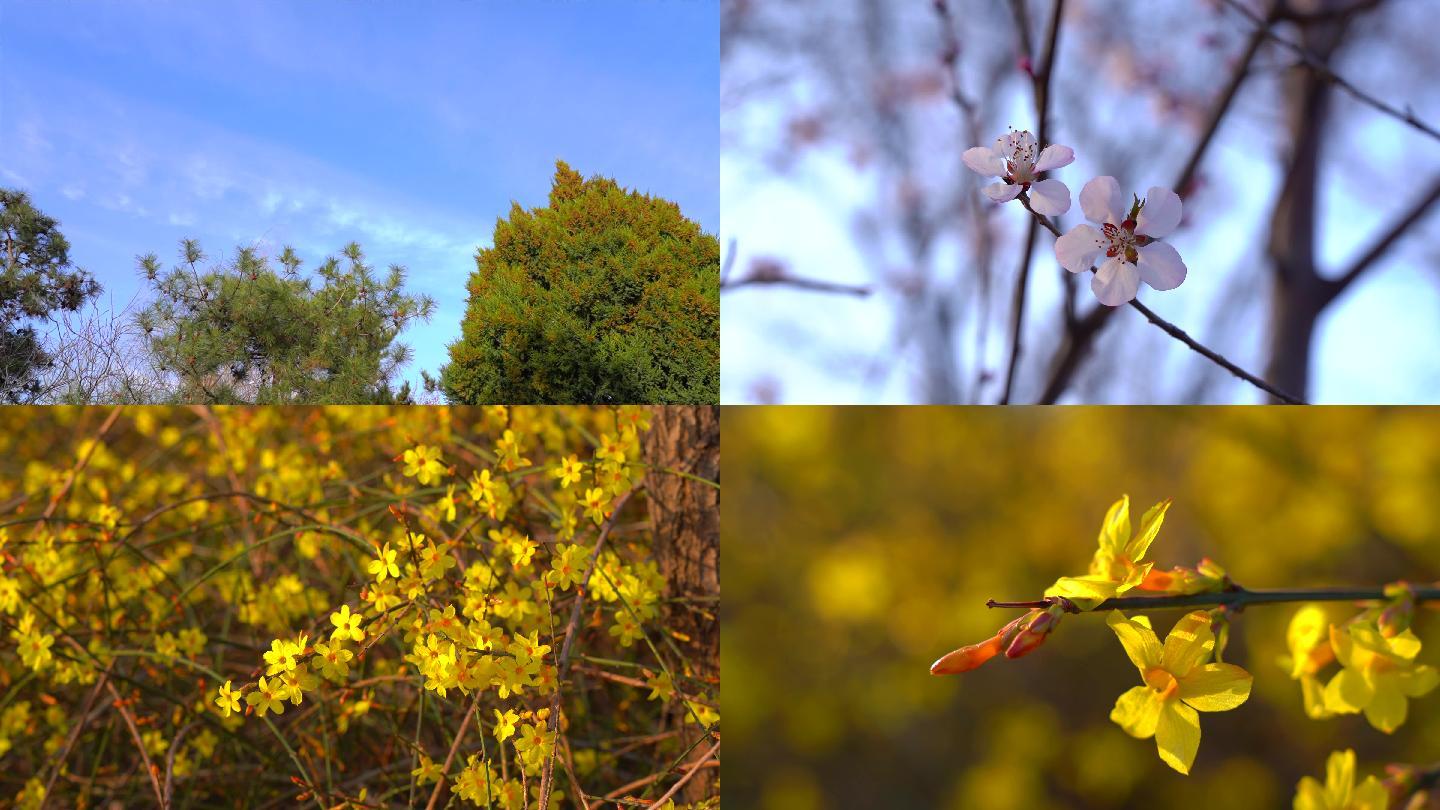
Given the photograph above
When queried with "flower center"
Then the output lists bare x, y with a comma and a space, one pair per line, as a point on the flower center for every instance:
1121, 241
1021, 163
1162, 682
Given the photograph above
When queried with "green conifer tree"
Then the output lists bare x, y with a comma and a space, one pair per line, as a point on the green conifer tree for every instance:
604, 295
36, 281
243, 332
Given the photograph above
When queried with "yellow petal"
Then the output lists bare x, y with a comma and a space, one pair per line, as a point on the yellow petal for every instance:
1387, 709
1177, 735
1310, 796
1347, 692
1137, 711
1097, 588
1314, 696
1342, 644
1339, 778
1189, 644
1215, 687
1309, 628
1419, 681
1371, 795
1149, 528
1115, 531
1139, 641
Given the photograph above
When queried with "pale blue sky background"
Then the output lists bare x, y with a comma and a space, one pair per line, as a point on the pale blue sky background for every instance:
406, 126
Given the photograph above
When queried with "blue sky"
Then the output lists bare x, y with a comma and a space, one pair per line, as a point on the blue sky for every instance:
408, 127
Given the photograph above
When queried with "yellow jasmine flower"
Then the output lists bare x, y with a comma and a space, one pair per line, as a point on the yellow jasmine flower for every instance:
347, 625
1116, 566
384, 564
228, 701
569, 471
269, 695
505, 724
1178, 683
1379, 674
1308, 638
423, 464
1339, 791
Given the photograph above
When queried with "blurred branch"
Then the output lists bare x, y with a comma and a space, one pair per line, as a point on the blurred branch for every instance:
1236, 598
1384, 243
1042, 101
1322, 69
1179, 334
768, 272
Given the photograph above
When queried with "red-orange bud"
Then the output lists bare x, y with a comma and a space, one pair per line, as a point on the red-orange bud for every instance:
967, 658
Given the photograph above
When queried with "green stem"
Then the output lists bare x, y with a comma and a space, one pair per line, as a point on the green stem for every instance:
1237, 598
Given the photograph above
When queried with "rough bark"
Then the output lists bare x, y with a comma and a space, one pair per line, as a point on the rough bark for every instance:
685, 515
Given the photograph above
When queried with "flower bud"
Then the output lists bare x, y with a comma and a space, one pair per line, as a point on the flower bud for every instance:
967, 658
1040, 625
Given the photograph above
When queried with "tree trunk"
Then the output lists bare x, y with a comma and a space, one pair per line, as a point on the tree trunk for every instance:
685, 515
1299, 294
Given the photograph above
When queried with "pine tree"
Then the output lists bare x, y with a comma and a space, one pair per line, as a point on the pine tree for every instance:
243, 332
603, 295
37, 281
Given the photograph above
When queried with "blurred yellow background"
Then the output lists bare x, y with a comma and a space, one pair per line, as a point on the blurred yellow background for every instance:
859, 544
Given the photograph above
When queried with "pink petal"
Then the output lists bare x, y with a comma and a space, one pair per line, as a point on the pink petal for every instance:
1001, 192
1049, 197
1115, 283
984, 161
1078, 249
1161, 214
1102, 201
1161, 266
1053, 157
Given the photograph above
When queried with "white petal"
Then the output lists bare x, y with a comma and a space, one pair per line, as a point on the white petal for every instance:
1161, 213
1160, 266
982, 159
1102, 201
1115, 283
1001, 192
1077, 249
1053, 157
1050, 197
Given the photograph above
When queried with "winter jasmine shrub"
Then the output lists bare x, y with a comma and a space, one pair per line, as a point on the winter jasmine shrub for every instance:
347, 607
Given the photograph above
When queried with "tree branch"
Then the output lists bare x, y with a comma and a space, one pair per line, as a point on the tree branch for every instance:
1323, 70
1382, 245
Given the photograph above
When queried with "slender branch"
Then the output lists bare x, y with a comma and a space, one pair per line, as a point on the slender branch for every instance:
1022, 281
1213, 356
454, 747
1386, 240
1180, 334
1237, 598
799, 283
1323, 70
694, 769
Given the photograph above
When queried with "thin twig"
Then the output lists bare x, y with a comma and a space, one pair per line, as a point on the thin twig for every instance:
1324, 71
1022, 282
454, 746
694, 769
